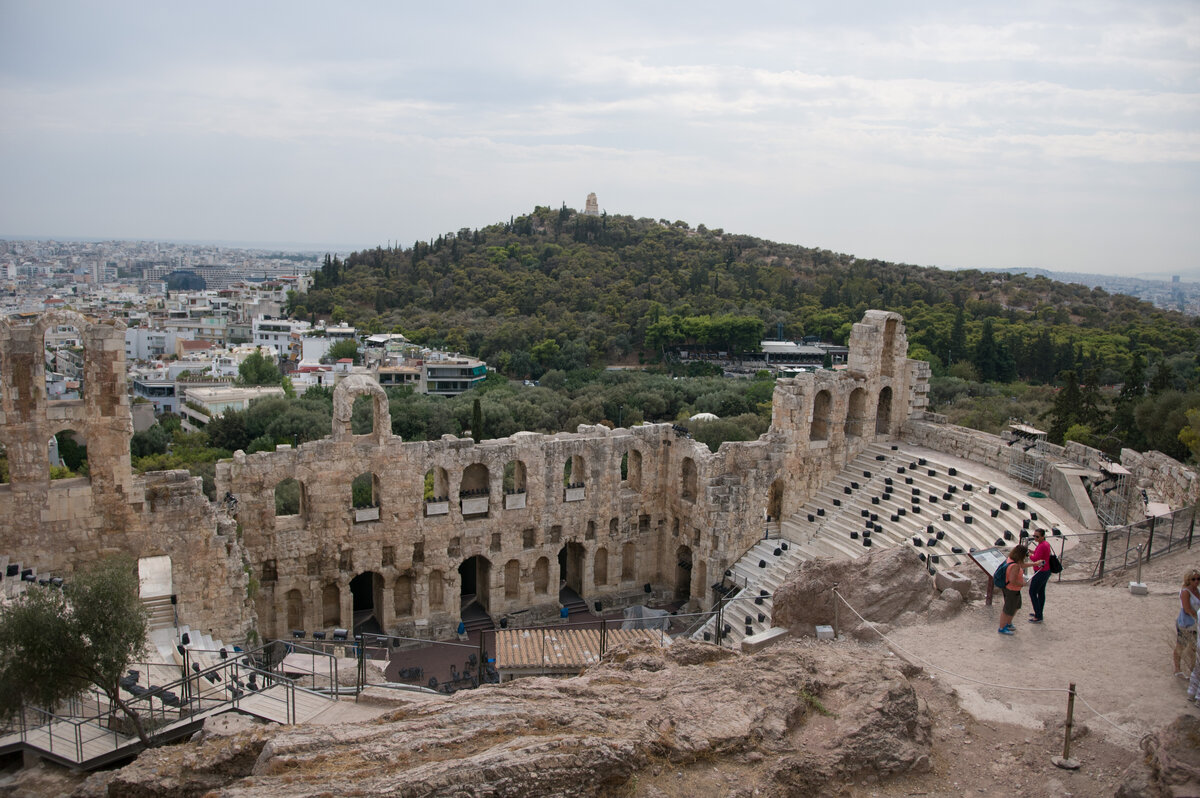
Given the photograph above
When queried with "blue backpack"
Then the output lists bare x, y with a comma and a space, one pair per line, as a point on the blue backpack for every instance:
1000, 579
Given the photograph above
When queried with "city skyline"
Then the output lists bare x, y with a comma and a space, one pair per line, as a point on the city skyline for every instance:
1055, 136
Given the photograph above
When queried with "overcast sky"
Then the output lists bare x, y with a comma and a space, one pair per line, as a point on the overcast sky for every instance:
1063, 136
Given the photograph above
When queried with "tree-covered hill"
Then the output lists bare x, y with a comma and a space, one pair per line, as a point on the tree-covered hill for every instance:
558, 289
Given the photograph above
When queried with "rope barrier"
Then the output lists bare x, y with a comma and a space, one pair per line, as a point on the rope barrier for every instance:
1019, 688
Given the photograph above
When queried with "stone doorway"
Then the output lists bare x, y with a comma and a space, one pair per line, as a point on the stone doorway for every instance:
683, 574
366, 589
570, 567
474, 578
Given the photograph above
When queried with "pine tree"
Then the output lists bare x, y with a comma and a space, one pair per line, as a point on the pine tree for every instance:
958, 339
1065, 410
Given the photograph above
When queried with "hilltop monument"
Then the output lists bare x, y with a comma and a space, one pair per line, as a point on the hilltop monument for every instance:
591, 208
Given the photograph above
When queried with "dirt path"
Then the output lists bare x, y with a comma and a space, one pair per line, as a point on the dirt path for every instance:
1116, 648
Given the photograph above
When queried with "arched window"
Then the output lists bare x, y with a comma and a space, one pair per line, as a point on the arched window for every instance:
294, 603
633, 475
437, 590
573, 478
331, 606
514, 485
883, 414
67, 455
473, 491
402, 596
364, 496
775, 500
600, 567
288, 495
512, 579
541, 576
689, 479
436, 492
822, 406
856, 415
628, 562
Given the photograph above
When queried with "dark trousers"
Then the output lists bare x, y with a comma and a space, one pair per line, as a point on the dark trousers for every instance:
1037, 591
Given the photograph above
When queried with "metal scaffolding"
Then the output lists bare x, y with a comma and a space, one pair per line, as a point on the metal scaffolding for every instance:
1028, 447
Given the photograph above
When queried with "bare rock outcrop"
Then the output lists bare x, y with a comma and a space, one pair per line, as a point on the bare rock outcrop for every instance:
807, 715
1171, 768
888, 586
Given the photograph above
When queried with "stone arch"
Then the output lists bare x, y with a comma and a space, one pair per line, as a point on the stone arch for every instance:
573, 471
883, 413
600, 567
289, 498
612, 527
66, 318
628, 562
688, 480
887, 358
683, 573
474, 480
541, 576
366, 592
402, 596
514, 477
364, 491
856, 416
436, 589
293, 603
67, 448
775, 500
822, 408
512, 579
343, 407
436, 491
331, 606
633, 469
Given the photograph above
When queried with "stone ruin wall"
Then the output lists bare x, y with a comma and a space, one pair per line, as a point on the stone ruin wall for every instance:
679, 519
55, 525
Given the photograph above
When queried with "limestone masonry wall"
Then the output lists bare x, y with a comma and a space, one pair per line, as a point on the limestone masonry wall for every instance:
503, 522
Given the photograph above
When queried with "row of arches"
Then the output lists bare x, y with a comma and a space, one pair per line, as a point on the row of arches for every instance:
856, 423
544, 579
290, 494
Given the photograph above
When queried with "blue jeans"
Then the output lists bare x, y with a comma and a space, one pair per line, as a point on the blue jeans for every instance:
1037, 592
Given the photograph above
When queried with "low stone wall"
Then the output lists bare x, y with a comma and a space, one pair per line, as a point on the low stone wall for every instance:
1175, 483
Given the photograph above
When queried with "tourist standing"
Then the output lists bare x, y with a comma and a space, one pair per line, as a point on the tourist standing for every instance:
1185, 625
1014, 580
1040, 559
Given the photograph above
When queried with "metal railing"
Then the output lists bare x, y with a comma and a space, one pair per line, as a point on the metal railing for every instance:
1121, 548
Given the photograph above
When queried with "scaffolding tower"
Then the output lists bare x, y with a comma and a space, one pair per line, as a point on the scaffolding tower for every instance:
1028, 446
1110, 494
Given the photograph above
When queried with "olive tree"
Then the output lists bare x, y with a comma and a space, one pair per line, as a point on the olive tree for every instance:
56, 642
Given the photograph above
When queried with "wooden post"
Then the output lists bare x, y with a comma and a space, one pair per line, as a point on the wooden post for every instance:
1065, 761
836, 629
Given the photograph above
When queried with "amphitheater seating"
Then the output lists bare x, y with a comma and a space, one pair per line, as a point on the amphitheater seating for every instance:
897, 496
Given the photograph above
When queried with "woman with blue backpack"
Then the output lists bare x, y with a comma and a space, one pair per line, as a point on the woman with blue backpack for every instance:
1014, 580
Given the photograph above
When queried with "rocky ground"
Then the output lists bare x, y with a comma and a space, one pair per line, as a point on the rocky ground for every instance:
856, 717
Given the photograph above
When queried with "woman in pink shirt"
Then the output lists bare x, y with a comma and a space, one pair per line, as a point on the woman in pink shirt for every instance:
1040, 560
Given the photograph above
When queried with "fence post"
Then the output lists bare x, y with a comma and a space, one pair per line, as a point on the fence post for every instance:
836, 631
1103, 554
1150, 539
1065, 761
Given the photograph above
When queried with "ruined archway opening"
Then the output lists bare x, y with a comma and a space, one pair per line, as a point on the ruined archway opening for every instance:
65, 362
883, 414
633, 470
366, 591
474, 576
856, 415
775, 500
573, 478
331, 606
570, 568
436, 492
362, 417
66, 453
287, 498
822, 407
887, 358
683, 574
600, 568
688, 479
541, 576
512, 579
628, 562
294, 610
473, 491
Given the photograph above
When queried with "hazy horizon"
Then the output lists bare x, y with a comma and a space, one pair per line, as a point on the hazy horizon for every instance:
1060, 136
